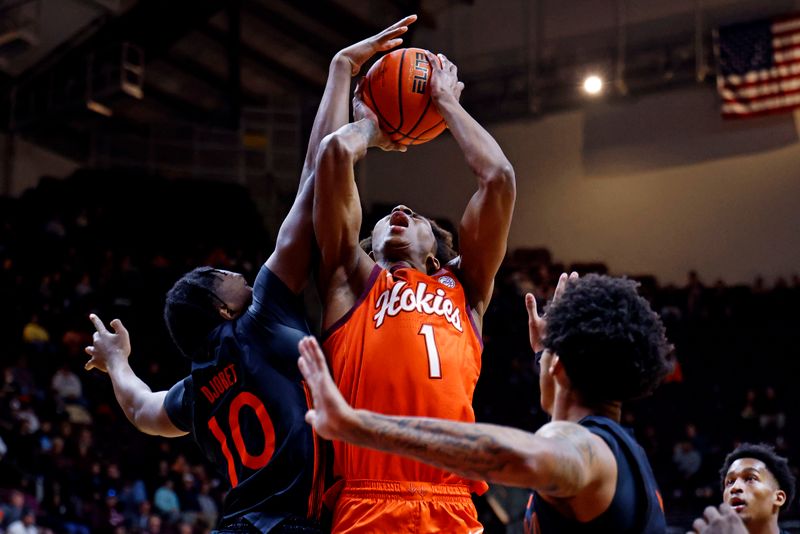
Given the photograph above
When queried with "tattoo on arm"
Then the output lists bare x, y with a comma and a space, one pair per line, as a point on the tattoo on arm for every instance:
555, 461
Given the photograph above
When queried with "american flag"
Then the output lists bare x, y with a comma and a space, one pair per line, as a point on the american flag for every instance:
759, 66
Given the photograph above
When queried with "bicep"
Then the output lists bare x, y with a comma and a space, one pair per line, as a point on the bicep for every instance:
571, 459
152, 417
483, 235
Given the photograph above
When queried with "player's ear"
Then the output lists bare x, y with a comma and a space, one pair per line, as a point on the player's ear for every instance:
227, 313
780, 498
432, 264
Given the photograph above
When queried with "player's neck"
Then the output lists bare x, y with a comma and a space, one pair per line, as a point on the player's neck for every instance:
769, 526
392, 265
570, 407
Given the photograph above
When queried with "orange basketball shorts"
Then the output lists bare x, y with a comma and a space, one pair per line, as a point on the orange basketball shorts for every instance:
380, 506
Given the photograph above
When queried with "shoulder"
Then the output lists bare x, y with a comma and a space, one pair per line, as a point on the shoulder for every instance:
273, 300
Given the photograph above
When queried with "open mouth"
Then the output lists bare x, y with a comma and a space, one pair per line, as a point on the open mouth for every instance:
399, 219
737, 504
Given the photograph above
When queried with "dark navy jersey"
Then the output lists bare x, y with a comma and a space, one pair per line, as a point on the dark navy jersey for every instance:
636, 507
246, 409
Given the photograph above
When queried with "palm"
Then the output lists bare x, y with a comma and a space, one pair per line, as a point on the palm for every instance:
537, 324
331, 412
359, 53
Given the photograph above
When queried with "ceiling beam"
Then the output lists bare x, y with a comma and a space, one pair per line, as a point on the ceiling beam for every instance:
269, 64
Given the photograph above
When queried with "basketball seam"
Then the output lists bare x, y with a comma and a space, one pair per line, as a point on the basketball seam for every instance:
419, 137
422, 116
400, 89
378, 111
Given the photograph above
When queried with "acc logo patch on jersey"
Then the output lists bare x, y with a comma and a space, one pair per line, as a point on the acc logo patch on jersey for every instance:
447, 281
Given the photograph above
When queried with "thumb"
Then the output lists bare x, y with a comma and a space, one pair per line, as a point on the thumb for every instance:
530, 304
89, 365
311, 417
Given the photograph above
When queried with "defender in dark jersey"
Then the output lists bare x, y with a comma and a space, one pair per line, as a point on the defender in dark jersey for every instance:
244, 401
600, 345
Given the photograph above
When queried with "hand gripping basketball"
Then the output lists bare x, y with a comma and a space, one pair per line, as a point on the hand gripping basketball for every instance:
398, 89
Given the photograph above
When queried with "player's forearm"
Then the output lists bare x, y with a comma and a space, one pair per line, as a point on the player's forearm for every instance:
131, 393
476, 451
482, 153
333, 111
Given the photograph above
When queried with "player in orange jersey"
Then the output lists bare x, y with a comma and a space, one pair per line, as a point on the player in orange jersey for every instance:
403, 318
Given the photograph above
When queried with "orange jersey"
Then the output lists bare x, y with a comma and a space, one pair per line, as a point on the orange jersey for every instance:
409, 346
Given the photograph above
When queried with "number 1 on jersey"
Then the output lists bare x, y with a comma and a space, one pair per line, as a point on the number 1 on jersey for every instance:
434, 362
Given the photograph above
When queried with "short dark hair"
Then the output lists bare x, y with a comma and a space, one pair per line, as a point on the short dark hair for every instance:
191, 312
445, 251
611, 343
777, 465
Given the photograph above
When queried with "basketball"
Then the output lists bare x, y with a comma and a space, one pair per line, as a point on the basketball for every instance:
397, 89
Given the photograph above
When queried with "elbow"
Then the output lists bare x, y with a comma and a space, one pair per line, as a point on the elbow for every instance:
500, 179
334, 151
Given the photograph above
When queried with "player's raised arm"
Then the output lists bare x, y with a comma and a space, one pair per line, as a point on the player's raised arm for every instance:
560, 460
337, 205
292, 257
483, 231
145, 409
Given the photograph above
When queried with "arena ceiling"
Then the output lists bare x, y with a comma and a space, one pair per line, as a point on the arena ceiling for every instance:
68, 65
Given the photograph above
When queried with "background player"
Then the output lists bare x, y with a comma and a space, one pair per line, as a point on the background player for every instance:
244, 401
757, 484
602, 345
402, 326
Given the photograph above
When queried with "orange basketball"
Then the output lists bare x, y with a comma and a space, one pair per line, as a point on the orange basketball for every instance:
397, 89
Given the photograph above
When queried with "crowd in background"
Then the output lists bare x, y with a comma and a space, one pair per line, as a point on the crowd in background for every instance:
71, 462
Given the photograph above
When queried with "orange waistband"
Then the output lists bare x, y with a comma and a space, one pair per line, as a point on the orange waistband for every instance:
405, 490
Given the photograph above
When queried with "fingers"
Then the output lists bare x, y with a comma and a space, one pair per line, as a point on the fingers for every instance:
89, 365
698, 525
561, 286
447, 64
396, 147
119, 328
563, 280
405, 21
710, 514
434, 60
98, 324
530, 304
312, 359
726, 509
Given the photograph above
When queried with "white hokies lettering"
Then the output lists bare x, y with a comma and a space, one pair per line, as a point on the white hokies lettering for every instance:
404, 299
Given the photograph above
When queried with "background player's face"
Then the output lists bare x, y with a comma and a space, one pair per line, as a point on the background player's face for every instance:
752, 491
403, 234
233, 290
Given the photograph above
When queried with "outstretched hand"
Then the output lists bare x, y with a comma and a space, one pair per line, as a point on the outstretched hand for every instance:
722, 521
537, 325
107, 348
359, 53
331, 415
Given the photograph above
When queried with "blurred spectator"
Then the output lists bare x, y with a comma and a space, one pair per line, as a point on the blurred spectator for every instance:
25, 524
166, 500
66, 384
